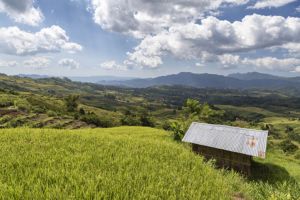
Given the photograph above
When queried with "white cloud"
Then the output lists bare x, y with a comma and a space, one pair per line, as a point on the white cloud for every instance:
69, 63
143, 17
8, 63
298, 9
113, 65
22, 11
270, 3
37, 62
229, 61
183, 30
272, 63
214, 37
18, 42
199, 64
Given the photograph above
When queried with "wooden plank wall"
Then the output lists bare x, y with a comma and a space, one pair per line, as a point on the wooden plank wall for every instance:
226, 159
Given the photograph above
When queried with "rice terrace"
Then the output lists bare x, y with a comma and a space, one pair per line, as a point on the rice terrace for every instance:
137, 99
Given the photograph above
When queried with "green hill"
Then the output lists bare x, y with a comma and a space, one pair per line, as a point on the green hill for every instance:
116, 163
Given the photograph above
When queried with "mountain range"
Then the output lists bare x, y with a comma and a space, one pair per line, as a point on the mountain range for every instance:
232, 81
250, 80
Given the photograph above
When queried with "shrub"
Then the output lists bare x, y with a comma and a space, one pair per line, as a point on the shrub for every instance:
297, 155
178, 130
92, 118
289, 129
147, 120
51, 113
130, 119
17, 122
5, 119
71, 102
23, 105
81, 111
294, 136
288, 147
166, 125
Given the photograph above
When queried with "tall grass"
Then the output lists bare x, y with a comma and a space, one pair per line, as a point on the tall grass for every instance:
115, 163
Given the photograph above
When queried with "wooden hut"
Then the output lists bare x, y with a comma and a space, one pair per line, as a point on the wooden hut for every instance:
231, 147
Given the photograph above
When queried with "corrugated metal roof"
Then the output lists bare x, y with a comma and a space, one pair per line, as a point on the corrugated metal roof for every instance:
241, 140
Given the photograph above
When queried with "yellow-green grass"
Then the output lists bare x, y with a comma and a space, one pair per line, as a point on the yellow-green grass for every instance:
248, 109
282, 163
115, 163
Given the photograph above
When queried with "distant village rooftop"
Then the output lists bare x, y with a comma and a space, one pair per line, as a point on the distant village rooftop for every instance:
233, 139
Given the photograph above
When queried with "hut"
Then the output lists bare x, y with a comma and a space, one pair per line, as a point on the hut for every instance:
231, 147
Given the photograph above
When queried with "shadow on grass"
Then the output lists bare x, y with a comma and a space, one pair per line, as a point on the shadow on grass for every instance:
271, 173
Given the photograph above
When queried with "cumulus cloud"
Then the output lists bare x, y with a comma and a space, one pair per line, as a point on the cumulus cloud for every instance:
216, 37
18, 42
272, 63
143, 17
270, 3
69, 63
183, 30
37, 62
113, 65
8, 63
22, 11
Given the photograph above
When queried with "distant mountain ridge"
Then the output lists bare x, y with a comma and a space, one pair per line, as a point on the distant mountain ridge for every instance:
254, 76
84, 79
232, 81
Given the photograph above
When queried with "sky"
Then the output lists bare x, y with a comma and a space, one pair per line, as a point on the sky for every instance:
143, 38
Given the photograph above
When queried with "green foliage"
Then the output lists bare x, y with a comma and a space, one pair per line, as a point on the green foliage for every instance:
81, 111
192, 107
22, 105
147, 120
194, 111
92, 118
288, 147
289, 129
294, 136
166, 125
130, 119
6, 100
51, 113
16, 122
178, 130
71, 102
203, 112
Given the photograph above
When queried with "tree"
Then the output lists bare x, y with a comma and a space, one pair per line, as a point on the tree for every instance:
193, 111
146, 120
71, 102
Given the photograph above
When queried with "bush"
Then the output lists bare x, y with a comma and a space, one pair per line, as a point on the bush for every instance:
288, 147
178, 130
130, 119
5, 119
147, 120
22, 105
17, 122
81, 111
289, 129
71, 102
51, 113
294, 136
297, 155
166, 125
92, 118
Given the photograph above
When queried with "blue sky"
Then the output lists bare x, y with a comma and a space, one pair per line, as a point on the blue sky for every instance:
149, 38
